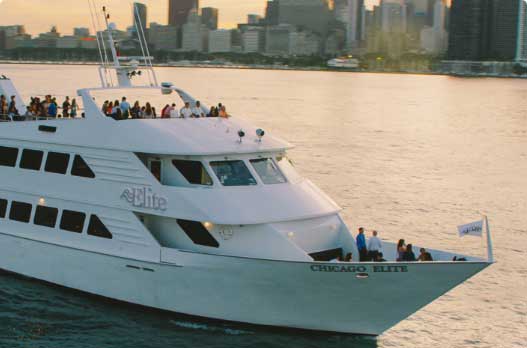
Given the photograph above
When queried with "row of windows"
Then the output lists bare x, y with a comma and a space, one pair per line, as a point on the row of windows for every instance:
56, 162
71, 221
232, 173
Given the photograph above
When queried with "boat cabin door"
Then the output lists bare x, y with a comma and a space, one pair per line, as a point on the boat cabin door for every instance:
155, 165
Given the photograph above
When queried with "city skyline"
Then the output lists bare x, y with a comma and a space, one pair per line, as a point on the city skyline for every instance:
38, 16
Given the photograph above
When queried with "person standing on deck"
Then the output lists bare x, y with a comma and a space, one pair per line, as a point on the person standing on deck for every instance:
125, 108
374, 246
361, 245
66, 108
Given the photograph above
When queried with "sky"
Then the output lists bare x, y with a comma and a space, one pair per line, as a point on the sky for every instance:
39, 15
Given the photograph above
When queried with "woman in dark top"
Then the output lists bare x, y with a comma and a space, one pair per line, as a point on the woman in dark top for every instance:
401, 249
409, 254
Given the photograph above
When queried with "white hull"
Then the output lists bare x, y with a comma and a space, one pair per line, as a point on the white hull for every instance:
304, 295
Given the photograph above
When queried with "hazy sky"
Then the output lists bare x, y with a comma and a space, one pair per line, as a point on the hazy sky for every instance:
39, 15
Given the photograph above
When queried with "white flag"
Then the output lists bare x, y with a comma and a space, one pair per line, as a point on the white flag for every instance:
472, 229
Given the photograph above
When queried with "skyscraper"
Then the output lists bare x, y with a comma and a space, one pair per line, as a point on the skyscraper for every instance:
178, 11
470, 24
488, 29
272, 12
209, 17
353, 14
140, 14
508, 34
521, 49
314, 15
356, 32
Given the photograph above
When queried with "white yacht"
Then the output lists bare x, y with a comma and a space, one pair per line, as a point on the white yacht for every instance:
202, 216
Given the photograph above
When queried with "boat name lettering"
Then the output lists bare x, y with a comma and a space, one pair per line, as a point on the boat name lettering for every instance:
144, 198
390, 269
358, 269
338, 268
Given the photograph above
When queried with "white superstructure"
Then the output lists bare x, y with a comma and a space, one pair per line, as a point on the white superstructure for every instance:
186, 216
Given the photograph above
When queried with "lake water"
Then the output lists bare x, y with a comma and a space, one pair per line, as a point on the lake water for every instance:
411, 156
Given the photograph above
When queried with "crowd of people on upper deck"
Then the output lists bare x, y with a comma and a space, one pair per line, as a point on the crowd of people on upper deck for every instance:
123, 110
46, 107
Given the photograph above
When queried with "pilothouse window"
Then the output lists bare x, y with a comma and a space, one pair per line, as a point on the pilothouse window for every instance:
8, 156
233, 173
193, 171
268, 171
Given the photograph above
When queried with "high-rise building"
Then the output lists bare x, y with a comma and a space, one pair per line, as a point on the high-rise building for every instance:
163, 37
487, 30
434, 38
393, 17
508, 34
314, 15
195, 34
356, 31
272, 12
254, 19
220, 41
521, 49
470, 27
179, 10
81, 32
209, 17
352, 13
140, 15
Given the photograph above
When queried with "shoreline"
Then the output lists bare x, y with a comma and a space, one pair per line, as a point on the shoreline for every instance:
272, 67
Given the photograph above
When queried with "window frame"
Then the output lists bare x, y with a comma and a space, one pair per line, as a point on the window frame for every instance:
4, 204
211, 164
31, 151
18, 204
203, 167
275, 165
54, 153
94, 219
74, 171
3, 157
71, 214
43, 207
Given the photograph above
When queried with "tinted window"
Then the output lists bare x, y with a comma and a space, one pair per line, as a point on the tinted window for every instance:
98, 229
193, 171
233, 173
20, 212
198, 233
45, 216
72, 221
80, 168
3, 207
31, 159
8, 156
268, 171
57, 162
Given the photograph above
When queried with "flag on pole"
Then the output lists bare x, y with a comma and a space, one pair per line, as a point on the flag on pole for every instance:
472, 229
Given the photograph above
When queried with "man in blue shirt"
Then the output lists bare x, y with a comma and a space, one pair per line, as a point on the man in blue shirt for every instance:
125, 108
361, 245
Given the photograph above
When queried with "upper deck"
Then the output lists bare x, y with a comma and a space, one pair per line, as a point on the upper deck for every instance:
173, 136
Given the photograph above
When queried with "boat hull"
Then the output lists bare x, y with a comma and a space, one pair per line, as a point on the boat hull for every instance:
361, 298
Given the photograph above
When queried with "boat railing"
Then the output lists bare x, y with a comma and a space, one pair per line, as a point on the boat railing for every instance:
17, 118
